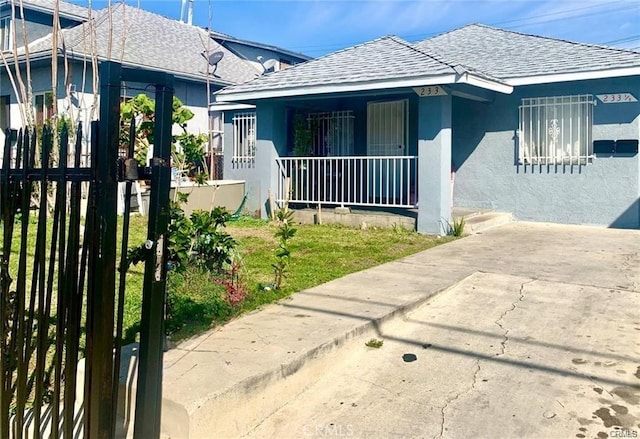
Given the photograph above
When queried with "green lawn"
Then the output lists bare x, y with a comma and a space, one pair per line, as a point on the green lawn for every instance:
320, 253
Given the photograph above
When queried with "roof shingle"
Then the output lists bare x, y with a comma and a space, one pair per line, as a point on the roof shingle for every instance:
507, 54
384, 58
142, 38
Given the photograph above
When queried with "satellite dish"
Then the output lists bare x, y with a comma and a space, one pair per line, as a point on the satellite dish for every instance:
213, 59
270, 65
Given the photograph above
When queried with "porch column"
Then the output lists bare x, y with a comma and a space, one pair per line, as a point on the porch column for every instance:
434, 164
271, 139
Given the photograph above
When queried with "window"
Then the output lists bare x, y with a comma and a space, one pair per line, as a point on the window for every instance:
556, 130
5, 121
5, 34
332, 133
244, 137
217, 131
43, 107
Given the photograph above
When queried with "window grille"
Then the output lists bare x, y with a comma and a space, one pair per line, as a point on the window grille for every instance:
556, 130
332, 133
244, 137
387, 127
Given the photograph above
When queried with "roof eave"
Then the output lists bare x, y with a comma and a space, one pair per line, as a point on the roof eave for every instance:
466, 78
281, 50
228, 106
573, 76
485, 83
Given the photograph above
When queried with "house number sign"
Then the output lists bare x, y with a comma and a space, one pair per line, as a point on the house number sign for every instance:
430, 90
616, 98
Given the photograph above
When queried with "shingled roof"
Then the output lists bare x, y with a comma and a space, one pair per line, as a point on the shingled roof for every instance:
507, 54
479, 55
382, 63
65, 9
142, 38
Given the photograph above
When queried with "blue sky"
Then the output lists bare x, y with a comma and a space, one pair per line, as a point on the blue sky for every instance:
317, 27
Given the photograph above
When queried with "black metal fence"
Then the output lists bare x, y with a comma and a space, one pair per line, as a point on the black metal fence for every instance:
61, 311
44, 264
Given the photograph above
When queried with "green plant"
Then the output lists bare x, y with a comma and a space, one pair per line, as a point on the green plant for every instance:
456, 228
188, 150
302, 136
374, 343
140, 109
284, 233
199, 240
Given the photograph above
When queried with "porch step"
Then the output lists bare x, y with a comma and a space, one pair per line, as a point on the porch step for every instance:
478, 222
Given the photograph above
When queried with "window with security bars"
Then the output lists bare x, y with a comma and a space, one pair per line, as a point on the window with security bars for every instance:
556, 130
332, 133
244, 137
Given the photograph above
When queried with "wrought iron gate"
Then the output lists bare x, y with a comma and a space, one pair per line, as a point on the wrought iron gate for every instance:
60, 306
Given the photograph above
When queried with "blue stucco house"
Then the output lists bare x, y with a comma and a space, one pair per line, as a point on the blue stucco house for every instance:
477, 117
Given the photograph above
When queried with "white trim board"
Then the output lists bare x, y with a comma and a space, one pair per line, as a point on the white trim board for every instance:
464, 78
576, 76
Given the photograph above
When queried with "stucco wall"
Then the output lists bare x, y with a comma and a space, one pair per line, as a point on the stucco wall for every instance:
247, 171
605, 192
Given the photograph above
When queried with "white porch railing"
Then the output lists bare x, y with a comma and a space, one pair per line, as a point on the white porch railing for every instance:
382, 181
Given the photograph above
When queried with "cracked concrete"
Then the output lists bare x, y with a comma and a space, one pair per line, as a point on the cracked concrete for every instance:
464, 385
523, 320
450, 402
513, 307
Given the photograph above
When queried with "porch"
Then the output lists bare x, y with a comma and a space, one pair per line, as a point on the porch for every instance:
369, 181
475, 220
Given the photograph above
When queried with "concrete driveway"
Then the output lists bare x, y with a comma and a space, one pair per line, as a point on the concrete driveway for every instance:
539, 336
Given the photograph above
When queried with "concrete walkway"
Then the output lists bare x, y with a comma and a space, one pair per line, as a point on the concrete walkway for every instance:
227, 382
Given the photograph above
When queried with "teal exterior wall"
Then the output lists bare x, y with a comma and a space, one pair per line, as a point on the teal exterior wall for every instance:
605, 192
478, 140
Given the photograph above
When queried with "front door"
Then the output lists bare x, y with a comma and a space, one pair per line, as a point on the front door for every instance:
386, 138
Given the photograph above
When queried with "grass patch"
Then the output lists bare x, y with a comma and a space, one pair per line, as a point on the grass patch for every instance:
319, 253
374, 343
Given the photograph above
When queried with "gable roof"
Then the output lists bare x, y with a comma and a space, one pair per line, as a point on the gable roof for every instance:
220, 36
386, 62
518, 58
144, 39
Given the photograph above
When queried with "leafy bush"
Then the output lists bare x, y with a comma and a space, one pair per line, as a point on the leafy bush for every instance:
199, 240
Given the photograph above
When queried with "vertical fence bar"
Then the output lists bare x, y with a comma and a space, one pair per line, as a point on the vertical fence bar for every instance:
18, 336
102, 284
149, 393
122, 270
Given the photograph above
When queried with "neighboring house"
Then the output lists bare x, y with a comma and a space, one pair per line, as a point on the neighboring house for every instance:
198, 59
477, 117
